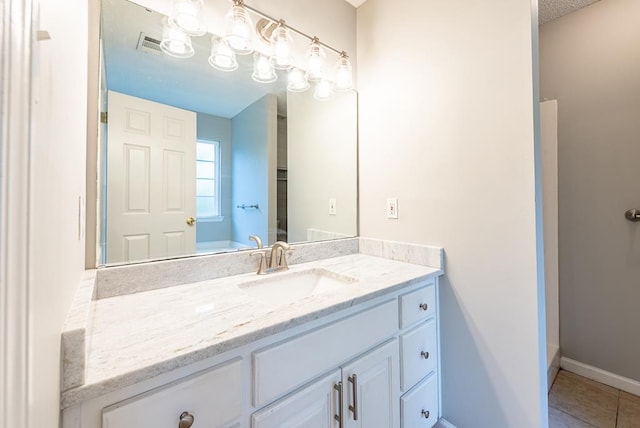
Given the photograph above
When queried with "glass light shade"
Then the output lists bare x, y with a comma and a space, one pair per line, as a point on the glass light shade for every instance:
297, 81
263, 70
175, 42
323, 90
222, 56
282, 44
187, 16
239, 30
315, 62
344, 73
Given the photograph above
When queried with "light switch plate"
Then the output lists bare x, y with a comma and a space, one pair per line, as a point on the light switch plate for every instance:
332, 206
392, 208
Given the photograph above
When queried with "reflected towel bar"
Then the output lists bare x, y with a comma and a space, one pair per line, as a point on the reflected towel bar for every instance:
244, 207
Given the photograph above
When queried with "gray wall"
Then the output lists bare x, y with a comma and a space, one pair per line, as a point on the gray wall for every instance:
590, 63
218, 129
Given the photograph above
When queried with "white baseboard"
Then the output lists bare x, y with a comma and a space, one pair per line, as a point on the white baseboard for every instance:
625, 384
553, 364
443, 423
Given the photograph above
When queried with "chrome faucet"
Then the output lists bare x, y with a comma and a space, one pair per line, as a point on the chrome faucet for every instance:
278, 259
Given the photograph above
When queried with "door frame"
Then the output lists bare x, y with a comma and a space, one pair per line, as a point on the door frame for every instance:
16, 44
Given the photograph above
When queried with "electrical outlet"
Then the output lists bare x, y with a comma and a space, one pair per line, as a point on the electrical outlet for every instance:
392, 208
332, 206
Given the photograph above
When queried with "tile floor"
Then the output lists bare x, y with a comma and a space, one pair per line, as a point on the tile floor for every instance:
578, 402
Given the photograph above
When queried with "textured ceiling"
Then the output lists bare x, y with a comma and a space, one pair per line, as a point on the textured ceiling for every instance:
548, 9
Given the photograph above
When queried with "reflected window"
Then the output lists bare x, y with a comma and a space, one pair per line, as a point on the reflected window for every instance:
207, 179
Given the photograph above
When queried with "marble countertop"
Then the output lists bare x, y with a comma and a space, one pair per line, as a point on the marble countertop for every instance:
138, 336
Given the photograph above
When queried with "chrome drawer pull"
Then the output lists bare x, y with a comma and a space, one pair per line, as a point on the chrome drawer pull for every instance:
424, 306
354, 383
339, 417
186, 420
426, 414
425, 355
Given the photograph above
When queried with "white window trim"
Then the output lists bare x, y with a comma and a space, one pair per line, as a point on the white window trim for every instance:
215, 219
218, 174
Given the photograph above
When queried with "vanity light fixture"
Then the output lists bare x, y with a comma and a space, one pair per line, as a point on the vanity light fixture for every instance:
315, 61
239, 29
282, 44
175, 42
222, 57
297, 82
344, 73
323, 90
263, 70
187, 16
186, 20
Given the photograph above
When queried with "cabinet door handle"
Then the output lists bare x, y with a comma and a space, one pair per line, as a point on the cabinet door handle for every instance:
354, 385
186, 420
426, 414
339, 417
425, 355
424, 306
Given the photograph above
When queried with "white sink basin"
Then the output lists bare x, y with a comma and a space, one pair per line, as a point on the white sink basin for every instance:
282, 288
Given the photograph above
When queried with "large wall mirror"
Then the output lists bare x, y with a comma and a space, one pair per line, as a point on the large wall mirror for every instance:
194, 160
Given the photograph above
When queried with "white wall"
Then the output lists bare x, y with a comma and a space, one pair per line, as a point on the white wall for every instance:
254, 137
447, 126
58, 177
322, 162
214, 128
590, 63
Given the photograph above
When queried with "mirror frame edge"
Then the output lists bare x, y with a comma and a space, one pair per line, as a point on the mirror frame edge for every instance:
91, 180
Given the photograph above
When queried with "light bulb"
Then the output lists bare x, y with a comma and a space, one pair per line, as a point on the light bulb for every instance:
222, 56
263, 70
323, 90
282, 42
297, 82
239, 27
175, 42
315, 61
187, 15
344, 74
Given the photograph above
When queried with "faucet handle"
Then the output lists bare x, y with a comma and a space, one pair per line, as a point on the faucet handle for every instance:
262, 267
257, 239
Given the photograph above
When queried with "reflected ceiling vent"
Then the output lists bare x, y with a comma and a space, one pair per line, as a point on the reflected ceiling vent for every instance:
149, 44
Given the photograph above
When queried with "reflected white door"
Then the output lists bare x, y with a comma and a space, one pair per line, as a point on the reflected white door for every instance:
150, 180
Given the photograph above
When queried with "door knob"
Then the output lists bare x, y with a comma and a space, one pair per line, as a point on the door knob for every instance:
191, 221
632, 215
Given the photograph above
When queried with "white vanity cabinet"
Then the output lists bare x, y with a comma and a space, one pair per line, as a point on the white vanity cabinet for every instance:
374, 364
362, 393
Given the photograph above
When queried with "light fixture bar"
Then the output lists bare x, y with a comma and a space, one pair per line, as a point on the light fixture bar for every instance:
295, 30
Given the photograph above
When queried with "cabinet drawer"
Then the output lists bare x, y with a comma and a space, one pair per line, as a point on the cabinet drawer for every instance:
417, 305
418, 354
419, 407
285, 366
214, 398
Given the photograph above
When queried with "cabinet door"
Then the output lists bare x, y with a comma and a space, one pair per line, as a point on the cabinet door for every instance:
371, 389
313, 406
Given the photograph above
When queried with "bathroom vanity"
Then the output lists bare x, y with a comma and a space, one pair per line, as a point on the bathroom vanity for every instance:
349, 341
